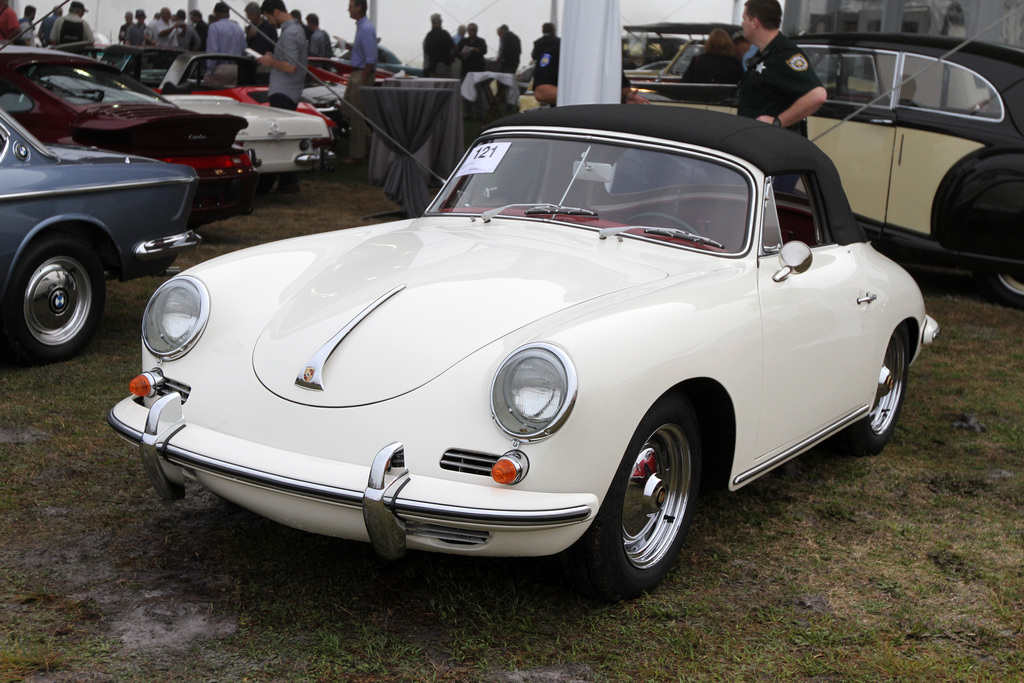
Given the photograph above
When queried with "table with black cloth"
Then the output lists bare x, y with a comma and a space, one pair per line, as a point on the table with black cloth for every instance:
442, 150
410, 117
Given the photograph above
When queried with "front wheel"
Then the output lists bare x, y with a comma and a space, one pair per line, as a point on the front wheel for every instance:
636, 536
871, 434
1001, 288
54, 301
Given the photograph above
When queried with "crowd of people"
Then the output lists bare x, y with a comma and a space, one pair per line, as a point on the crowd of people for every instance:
775, 83
187, 31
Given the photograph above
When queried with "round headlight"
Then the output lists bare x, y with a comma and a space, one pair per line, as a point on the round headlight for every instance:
533, 391
175, 317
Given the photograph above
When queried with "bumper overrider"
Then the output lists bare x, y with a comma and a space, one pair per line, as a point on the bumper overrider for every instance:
470, 522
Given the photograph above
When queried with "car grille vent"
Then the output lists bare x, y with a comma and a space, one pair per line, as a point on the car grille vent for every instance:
170, 385
469, 462
448, 534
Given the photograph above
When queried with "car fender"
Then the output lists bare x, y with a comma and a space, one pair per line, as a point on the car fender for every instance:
81, 224
979, 207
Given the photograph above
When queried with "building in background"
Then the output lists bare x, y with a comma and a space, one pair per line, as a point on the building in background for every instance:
980, 19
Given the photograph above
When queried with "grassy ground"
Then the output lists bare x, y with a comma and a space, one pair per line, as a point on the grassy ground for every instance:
905, 566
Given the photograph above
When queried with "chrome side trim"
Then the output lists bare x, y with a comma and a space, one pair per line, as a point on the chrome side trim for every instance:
311, 375
96, 188
434, 512
799, 448
166, 246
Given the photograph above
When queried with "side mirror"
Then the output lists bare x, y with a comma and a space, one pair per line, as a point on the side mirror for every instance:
795, 258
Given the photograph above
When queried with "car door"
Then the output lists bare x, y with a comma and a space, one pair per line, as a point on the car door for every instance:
818, 327
856, 127
932, 96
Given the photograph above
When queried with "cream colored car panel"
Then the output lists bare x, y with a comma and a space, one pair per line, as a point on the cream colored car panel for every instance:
921, 160
862, 153
811, 319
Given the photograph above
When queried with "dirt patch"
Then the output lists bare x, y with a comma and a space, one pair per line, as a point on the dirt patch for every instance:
153, 611
22, 435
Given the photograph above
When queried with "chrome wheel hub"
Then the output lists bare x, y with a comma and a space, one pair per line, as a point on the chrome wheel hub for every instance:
656, 497
57, 300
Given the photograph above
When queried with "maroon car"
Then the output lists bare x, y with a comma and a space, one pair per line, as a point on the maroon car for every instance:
69, 99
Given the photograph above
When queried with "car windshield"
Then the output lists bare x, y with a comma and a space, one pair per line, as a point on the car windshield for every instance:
83, 84
680, 199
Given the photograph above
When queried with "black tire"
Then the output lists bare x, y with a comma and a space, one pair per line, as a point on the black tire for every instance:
635, 538
265, 183
870, 435
54, 302
1003, 289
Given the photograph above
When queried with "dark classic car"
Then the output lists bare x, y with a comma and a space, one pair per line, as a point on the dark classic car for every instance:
145, 63
70, 218
70, 99
675, 45
930, 150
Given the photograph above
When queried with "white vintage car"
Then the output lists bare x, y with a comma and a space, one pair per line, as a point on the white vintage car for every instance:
282, 141
605, 309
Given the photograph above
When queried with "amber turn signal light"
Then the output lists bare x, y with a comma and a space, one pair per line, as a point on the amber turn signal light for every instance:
145, 385
510, 468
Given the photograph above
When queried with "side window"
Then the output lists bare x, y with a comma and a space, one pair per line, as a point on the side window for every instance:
771, 234
797, 214
13, 100
947, 88
854, 76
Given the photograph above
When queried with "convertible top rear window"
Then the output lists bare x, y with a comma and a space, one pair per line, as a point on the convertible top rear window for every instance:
605, 185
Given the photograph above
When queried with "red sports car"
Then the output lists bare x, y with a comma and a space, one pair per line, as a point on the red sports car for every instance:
69, 99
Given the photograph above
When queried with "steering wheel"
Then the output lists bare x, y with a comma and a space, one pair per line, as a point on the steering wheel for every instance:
673, 220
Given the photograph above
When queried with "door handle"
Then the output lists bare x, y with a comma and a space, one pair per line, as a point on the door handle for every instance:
867, 298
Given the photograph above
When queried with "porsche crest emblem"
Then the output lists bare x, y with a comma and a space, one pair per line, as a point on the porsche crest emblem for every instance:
307, 374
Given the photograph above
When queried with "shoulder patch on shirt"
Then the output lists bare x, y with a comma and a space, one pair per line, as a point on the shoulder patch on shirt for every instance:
797, 62
545, 60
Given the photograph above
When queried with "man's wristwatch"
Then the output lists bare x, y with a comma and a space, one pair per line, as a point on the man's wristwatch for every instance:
777, 122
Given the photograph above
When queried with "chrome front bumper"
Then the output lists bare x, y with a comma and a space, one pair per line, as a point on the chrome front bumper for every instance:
166, 246
384, 511
320, 160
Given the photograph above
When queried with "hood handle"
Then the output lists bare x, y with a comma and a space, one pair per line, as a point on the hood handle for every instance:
311, 375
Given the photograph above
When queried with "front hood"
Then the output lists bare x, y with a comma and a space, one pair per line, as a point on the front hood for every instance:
462, 287
156, 130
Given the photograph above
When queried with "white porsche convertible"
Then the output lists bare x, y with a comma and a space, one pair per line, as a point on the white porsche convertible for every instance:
604, 310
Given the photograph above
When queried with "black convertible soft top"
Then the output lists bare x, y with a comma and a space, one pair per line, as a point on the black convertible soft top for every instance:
776, 151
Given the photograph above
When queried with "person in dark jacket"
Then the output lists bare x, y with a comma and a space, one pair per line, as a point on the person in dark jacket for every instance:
509, 50
717, 64
438, 50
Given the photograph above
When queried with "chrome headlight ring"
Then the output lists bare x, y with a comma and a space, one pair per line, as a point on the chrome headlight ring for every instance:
175, 317
533, 391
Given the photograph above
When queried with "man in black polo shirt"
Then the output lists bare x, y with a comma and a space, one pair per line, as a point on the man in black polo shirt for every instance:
779, 86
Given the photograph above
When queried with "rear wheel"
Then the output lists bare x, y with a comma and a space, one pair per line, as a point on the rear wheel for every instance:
1004, 289
54, 302
871, 434
635, 538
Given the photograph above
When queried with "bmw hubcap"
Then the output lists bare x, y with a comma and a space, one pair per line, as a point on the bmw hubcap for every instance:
58, 299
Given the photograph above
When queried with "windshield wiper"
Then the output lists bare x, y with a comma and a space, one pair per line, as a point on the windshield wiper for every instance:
537, 209
560, 210
683, 234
